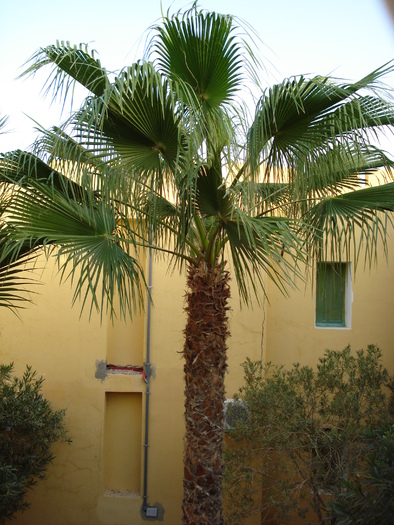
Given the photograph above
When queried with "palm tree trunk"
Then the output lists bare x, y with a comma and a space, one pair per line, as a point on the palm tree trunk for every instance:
205, 353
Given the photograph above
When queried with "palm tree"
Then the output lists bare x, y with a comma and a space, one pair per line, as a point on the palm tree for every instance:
164, 156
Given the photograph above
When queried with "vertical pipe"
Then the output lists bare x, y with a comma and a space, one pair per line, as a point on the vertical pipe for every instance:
147, 380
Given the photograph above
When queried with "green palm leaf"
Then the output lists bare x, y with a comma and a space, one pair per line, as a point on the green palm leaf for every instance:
25, 169
91, 248
334, 173
299, 116
136, 124
62, 148
137, 105
70, 64
201, 50
257, 247
211, 196
264, 198
15, 287
17, 263
344, 223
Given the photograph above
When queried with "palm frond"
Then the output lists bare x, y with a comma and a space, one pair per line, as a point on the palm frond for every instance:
260, 247
211, 195
17, 262
263, 198
338, 171
61, 147
300, 115
91, 247
16, 284
24, 169
136, 125
200, 48
345, 223
69, 64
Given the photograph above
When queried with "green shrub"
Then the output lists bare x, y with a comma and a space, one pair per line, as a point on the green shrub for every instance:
28, 428
302, 434
368, 499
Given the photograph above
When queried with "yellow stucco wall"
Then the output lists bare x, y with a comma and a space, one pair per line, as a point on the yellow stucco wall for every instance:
98, 481
291, 332
88, 482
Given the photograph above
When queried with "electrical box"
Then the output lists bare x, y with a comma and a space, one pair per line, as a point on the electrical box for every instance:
151, 512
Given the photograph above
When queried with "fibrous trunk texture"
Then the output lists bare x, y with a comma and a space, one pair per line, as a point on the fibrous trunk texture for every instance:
205, 353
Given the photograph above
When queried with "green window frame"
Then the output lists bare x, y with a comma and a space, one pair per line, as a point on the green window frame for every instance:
331, 294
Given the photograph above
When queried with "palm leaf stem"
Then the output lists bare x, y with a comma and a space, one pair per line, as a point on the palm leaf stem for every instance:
279, 206
220, 245
192, 246
190, 260
237, 176
202, 233
188, 242
210, 255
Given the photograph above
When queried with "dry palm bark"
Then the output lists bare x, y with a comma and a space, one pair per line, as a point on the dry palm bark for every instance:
205, 353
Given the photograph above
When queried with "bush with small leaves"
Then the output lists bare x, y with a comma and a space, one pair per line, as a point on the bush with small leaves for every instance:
368, 499
28, 428
302, 433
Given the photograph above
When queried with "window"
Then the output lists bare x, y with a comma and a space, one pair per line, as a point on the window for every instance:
333, 294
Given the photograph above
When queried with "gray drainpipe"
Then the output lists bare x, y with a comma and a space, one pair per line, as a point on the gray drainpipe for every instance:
147, 381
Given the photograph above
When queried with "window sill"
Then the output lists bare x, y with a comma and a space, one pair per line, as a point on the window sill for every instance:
332, 327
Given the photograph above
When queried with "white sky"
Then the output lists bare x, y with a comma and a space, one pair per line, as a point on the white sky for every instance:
345, 38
